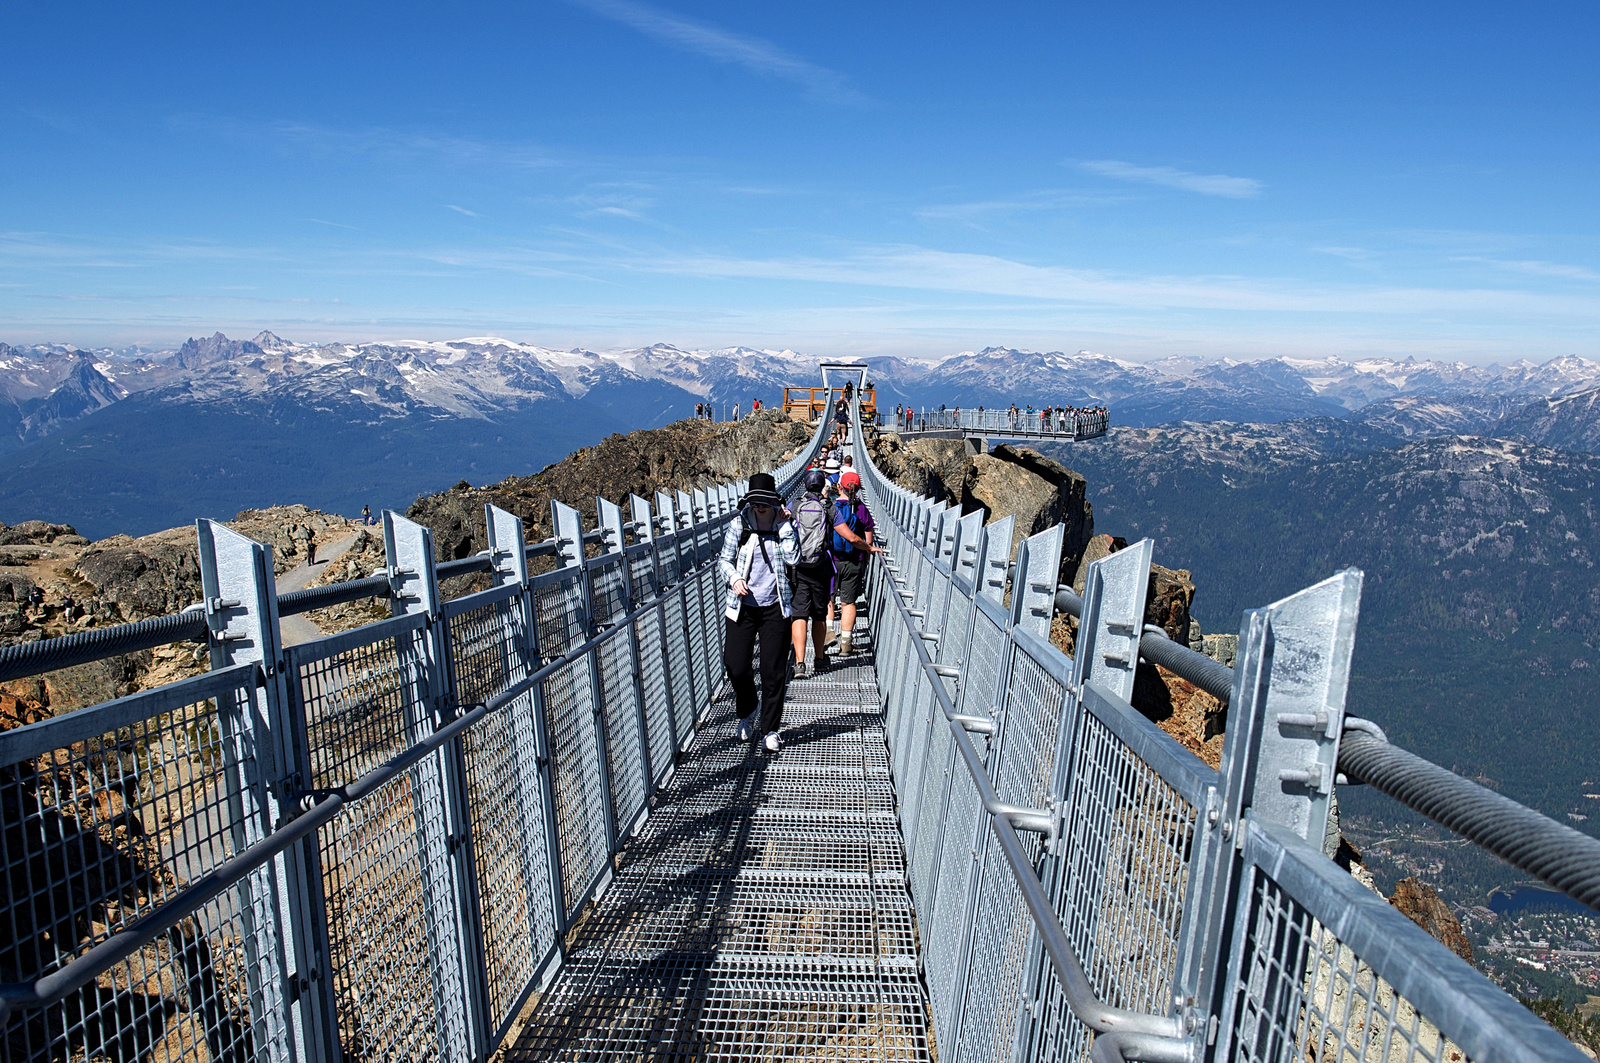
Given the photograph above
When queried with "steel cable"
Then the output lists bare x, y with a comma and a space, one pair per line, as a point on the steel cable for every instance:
1557, 854
47, 655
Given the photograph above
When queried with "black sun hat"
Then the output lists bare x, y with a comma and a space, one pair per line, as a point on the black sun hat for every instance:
763, 491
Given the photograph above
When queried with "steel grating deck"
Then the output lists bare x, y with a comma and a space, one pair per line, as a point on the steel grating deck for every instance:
762, 912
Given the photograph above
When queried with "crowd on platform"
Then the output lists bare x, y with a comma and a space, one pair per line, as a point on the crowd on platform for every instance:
1051, 420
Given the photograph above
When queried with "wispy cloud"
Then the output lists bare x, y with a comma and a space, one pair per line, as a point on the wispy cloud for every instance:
1349, 254
378, 141
462, 210
335, 224
928, 269
754, 54
1207, 184
1536, 268
1047, 199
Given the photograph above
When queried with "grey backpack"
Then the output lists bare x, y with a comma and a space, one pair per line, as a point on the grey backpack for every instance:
810, 523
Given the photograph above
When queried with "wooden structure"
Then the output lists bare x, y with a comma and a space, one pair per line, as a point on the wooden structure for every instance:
807, 404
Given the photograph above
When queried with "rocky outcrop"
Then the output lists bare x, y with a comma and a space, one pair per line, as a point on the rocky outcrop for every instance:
908, 467
1422, 906
1041, 492
681, 456
949, 465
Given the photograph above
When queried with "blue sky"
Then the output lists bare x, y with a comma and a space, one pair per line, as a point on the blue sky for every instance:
1138, 179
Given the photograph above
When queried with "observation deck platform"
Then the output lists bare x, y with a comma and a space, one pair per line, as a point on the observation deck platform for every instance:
762, 911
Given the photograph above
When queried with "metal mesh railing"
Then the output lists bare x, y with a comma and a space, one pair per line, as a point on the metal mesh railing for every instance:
108, 813
374, 845
1078, 890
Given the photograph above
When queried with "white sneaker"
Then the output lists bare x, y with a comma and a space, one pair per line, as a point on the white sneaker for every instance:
772, 741
746, 729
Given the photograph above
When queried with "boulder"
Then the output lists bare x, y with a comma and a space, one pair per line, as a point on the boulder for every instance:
1422, 906
949, 464
36, 532
1097, 547
144, 580
1040, 492
1167, 602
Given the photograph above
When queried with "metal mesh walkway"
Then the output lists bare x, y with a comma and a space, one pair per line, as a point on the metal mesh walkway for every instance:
762, 912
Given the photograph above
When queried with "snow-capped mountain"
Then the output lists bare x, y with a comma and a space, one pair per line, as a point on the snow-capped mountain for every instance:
118, 438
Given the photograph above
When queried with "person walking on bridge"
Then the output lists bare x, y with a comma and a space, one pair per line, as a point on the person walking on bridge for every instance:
851, 545
812, 578
755, 554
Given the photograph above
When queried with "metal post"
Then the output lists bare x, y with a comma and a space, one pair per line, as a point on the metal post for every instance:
1285, 718
1107, 652
242, 613
569, 546
445, 828
532, 749
611, 518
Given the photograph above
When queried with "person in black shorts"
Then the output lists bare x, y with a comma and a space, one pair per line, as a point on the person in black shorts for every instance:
851, 545
812, 577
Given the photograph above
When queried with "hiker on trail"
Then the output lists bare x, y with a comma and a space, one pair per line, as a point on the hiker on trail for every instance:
851, 546
812, 578
735, 416
699, 410
366, 515
756, 553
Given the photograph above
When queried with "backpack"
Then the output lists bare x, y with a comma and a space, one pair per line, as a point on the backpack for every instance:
844, 513
811, 524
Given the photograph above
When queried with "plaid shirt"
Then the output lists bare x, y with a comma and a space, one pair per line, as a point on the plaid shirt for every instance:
787, 554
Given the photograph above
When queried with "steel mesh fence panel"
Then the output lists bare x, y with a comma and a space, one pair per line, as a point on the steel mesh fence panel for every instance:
1305, 996
558, 615
487, 640
653, 681
993, 999
936, 776
508, 815
621, 711
695, 618
667, 561
1029, 732
946, 929
909, 782
985, 655
108, 812
642, 574
1123, 884
575, 771
505, 800
393, 927
1026, 764
360, 702
608, 590
679, 670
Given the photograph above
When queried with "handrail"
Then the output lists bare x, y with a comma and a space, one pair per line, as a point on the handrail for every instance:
54, 987
1212, 676
1160, 1039
1528, 839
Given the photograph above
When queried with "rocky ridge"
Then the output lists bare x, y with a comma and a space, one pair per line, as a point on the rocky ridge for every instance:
1041, 492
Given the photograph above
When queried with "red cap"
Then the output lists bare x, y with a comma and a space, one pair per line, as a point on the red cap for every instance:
849, 480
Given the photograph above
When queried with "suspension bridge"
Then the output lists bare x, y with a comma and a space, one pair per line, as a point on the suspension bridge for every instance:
519, 824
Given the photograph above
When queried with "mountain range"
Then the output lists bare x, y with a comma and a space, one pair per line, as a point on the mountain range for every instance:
1479, 639
137, 439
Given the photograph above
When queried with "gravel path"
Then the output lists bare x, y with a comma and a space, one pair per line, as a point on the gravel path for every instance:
298, 628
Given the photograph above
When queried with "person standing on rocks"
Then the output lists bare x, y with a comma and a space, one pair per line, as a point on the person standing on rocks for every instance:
813, 574
851, 545
756, 552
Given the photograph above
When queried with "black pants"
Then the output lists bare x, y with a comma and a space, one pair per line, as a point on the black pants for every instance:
738, 657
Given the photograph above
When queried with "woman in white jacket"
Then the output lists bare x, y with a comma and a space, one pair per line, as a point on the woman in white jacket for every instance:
756, 551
